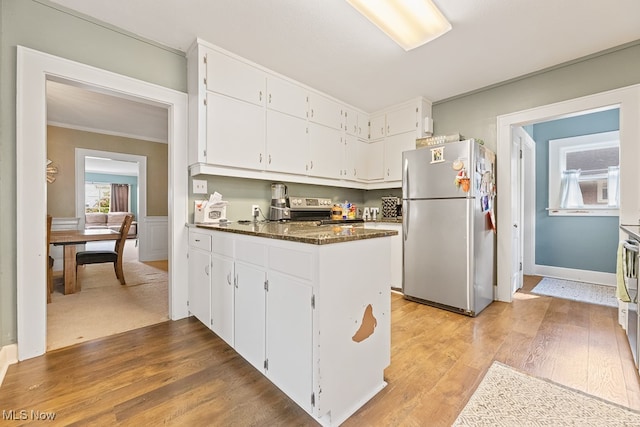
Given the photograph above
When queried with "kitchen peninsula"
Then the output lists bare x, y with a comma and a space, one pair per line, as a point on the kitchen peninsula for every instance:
308, 305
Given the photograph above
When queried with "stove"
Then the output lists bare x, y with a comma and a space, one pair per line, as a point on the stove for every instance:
309, 208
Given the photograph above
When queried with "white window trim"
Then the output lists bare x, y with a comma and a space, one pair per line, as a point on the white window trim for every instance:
557, 151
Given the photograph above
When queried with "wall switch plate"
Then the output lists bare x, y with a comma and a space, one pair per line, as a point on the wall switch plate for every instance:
199, 186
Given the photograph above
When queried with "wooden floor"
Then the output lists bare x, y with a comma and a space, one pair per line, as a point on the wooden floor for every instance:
180, 373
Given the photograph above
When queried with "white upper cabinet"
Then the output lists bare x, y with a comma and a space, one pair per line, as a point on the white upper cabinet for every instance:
230, 140
394, 146
326, 151
235, 78
287, 97
287, 143
377, 127
371, 161
401, 121
325, 111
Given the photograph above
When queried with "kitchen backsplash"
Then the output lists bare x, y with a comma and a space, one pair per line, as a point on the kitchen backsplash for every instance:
241, 193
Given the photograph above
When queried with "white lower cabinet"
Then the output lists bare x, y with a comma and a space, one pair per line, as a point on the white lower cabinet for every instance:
249, 319
289, 337
222, 297
199, 268
315, 326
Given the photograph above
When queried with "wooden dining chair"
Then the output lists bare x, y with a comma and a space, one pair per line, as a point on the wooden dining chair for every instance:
49, 289
114, 256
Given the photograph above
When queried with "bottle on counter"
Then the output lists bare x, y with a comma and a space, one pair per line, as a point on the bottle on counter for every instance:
336, 211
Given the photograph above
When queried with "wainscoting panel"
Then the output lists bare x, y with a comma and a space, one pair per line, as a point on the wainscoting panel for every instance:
153, 235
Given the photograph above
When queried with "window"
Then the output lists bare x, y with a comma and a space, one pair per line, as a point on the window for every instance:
584, 175
97, 197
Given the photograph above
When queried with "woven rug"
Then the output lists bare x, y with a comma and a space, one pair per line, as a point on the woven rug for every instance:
577, 291
506, 397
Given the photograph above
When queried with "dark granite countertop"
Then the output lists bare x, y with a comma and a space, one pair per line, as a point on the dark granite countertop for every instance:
632, 230
302, 231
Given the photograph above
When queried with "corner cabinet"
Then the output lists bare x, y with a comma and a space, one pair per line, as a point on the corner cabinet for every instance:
288, 314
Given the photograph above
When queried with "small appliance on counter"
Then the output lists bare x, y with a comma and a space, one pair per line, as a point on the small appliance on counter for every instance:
391, 207
279, 209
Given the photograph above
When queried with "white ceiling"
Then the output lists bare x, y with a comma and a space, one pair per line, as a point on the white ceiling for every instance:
326, 44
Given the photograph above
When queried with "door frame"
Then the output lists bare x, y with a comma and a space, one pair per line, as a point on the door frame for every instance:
34, 68
628, 100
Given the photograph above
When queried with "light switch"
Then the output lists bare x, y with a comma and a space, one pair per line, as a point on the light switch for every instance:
199, 186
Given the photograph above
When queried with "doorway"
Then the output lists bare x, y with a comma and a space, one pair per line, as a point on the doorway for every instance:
33, 69
627, 100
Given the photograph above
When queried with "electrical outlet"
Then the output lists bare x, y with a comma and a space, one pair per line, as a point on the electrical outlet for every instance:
255, 211
199, 186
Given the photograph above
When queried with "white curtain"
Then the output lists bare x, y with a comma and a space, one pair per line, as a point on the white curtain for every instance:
613, 186
570, 193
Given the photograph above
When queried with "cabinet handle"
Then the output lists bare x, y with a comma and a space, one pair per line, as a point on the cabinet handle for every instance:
206, 269
197, 240
229, 278
269, 98
235, 280
312, 112
260, 157
387, 171
260, 95
269, 158
311, 164
387, 129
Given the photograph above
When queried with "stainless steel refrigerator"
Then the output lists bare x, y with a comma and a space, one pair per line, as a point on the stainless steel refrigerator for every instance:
449, 226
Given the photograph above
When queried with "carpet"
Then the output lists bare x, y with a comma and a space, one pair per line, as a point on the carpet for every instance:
104, 307
507, 397
577, 291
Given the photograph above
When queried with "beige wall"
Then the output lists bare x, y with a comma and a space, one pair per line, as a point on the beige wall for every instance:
61, 145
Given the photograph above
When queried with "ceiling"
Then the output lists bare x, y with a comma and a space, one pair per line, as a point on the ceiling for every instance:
328, 45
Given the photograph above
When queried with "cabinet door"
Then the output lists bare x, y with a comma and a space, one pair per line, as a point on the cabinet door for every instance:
286, 97
393, 148
235, 78
287, 143
363, 126
235, 133
325, 111
199, 266
289, 337
222, 296
326, 151
372, 160
351, 121
377, 127
249, 312
401, 121
353, 154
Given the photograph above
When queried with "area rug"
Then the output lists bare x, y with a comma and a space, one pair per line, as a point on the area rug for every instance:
507, 397
105, 307
577, 291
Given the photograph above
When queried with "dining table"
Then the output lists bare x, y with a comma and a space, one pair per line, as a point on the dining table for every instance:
69, 239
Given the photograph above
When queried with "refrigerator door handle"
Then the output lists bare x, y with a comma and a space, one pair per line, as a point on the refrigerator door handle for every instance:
405, 179
405, 219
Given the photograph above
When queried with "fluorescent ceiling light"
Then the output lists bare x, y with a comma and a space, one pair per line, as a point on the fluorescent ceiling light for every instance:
410, 23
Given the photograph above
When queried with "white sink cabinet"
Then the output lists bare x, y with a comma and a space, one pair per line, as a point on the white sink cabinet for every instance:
296, 308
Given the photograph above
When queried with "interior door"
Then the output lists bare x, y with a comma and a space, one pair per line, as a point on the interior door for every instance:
517, 189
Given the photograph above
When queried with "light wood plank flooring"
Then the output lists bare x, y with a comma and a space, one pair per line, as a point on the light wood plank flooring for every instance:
180, 373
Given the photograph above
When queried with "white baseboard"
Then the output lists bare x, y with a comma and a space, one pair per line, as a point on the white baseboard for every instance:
597, 277
8, 356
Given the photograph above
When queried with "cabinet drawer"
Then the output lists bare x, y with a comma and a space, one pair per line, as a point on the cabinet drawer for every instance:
223, 245
291, 262
200, 241
251, 252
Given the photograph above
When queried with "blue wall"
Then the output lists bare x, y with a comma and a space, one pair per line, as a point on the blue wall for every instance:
118, 179
579, 242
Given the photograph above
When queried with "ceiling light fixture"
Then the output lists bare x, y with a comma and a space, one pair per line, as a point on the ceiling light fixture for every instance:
410, 23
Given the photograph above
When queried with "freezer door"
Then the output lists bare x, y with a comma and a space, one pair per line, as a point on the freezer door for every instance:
436, 247
429, 172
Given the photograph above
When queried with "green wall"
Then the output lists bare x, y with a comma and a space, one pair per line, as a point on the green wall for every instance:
474, 115
46, 27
